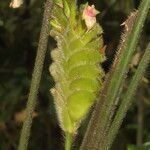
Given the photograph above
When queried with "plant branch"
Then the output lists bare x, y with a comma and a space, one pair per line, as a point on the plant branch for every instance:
36, 77
127, 100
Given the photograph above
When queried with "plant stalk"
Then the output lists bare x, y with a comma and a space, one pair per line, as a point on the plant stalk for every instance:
36, 77
68, 141
127, 100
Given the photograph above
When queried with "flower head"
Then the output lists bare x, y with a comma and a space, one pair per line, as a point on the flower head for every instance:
89, 15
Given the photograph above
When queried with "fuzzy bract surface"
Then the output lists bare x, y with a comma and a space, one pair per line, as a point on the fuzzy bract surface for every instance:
76, 63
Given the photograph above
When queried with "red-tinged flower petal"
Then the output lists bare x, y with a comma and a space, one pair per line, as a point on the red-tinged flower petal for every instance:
89, 15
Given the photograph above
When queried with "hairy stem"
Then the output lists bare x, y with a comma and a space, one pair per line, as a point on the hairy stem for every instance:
36, 77
127, 100
116, 82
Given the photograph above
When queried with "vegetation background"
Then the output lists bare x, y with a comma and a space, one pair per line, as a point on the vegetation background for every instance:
19, 34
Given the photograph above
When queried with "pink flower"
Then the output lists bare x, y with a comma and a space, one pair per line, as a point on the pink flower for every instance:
89, 15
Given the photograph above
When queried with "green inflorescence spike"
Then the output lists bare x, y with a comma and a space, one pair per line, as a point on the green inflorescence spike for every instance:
76, 64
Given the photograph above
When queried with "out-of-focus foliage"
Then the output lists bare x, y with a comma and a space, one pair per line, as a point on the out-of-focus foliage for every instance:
145, 146
19, 33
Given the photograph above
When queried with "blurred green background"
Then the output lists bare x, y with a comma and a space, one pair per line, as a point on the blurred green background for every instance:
19, 34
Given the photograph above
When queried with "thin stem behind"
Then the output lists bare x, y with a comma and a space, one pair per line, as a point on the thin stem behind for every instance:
36, 77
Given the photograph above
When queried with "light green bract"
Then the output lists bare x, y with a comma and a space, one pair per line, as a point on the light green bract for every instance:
76, 64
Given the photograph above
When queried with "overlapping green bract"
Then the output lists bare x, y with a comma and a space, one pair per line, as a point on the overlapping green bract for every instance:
76, 65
